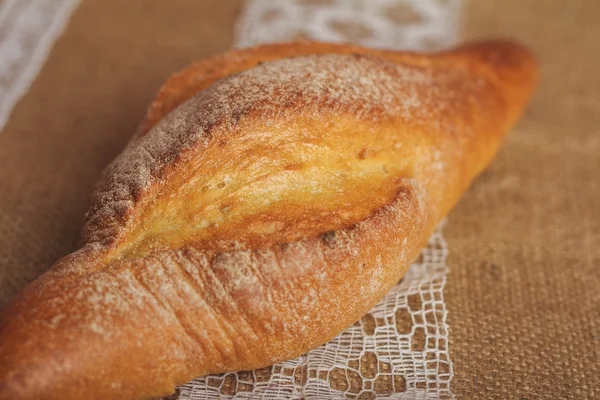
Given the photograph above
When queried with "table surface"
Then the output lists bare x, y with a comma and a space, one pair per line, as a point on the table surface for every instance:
523, 292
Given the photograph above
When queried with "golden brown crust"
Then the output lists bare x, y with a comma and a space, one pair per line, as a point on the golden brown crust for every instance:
262, 216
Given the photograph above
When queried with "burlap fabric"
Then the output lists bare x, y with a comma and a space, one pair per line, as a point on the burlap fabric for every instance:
523, 292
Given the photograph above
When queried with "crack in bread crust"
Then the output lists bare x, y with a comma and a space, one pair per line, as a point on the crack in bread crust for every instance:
321, 125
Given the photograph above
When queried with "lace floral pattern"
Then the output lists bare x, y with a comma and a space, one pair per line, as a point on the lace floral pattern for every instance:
401, 24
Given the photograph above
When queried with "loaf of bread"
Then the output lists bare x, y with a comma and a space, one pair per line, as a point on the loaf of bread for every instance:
270, 198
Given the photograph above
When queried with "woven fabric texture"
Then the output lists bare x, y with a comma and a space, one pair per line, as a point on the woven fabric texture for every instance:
522, 293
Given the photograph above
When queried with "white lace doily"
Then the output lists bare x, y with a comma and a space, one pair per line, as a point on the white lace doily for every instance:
400, 349
400, 24
28, 29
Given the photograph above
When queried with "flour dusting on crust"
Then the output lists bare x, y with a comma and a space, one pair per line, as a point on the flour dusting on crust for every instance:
364, 86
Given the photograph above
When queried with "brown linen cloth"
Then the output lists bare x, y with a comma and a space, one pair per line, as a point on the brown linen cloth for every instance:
524, 290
